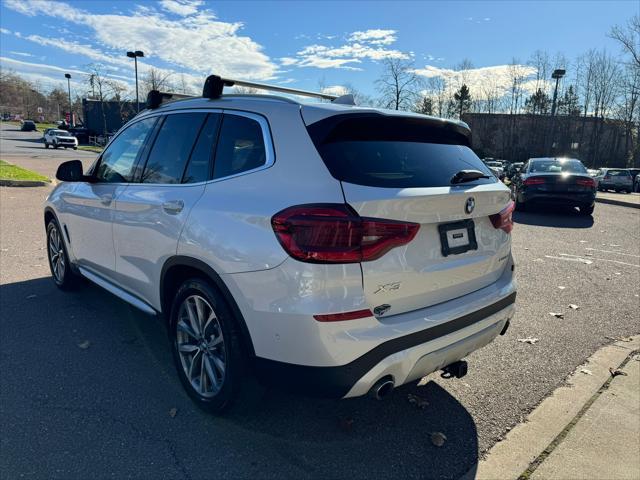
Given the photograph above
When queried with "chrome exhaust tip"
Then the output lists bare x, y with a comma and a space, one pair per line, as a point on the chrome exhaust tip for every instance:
382, 388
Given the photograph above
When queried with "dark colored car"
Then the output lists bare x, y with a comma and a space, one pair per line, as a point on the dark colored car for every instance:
81, 133
28, 126
554, 181
634, 172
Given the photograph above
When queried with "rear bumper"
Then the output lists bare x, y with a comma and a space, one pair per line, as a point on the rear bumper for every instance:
405, 358
556, 198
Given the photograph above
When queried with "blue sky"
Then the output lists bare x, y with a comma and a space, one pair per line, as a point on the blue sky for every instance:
295, 43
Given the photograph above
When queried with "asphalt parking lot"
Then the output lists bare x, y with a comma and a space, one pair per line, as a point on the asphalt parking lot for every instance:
88, 386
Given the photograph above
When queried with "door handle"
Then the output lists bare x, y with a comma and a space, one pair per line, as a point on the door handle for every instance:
106, 199
173, 207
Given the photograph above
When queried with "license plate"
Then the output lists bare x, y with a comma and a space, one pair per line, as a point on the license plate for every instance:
457, 237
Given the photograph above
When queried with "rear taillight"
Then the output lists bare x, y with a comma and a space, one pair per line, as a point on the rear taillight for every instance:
503, 219
335, 233
340, 317
534, 181
586, 182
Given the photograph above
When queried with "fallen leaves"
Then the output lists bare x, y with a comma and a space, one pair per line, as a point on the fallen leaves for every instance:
616, 372
529, 340
84, 345
173, 412
620, 339
418, 401
557, 314
573, 306
586, 371
29, 297
561, 287
438, 438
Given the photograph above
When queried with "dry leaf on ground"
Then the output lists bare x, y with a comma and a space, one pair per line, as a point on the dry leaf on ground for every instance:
438, 438
173, 412
557, 314
84, 345
418, 401
616, 372
586, 371
573, 306
528, 340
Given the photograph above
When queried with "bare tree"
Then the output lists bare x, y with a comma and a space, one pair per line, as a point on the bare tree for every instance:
155, 79
629, 37
437, 90
399, 85
517, 76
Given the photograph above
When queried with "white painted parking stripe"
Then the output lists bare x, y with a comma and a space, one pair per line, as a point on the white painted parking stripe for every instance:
611, 251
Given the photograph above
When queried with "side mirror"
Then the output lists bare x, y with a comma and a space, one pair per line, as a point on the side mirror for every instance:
70, 171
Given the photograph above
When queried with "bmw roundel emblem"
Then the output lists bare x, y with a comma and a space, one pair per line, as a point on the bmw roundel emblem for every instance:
470, 205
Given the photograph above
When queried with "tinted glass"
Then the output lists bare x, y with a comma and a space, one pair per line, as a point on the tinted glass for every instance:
118, 160
172, 148
618, 173
198, 168
554, 165
240, 146
395, 152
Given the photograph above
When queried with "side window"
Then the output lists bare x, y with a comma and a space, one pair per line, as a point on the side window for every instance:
118, 161
172, 148
199, 163
240, 147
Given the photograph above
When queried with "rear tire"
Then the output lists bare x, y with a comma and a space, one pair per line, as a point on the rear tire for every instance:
586, 211
521, 206
206, 346
63, 275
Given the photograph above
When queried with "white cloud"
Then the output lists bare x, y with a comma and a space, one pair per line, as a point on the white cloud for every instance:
198, 41
374, 36
497, 79
22, 54
183, 8
4, 30
335, 90
360, 46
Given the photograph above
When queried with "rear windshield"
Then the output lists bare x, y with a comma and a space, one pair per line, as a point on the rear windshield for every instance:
394, 152
555, 165
618, 173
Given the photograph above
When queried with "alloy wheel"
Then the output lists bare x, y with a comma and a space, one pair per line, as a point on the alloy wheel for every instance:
56, 254
200, 345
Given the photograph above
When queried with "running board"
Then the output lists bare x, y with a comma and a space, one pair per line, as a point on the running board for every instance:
118, 292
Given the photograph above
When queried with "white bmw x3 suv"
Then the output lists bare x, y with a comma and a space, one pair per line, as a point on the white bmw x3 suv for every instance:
330, 249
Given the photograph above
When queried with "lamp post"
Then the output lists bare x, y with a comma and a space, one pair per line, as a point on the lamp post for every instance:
68, 77
557, 74
135, 56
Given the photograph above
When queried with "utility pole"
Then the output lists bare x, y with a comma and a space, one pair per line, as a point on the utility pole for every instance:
557, 74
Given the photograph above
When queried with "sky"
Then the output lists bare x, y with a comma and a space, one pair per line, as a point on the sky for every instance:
301, 44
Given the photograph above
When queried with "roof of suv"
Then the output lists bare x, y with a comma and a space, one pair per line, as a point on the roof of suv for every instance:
313, 111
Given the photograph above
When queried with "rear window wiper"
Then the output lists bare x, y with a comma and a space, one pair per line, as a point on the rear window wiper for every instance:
467, 176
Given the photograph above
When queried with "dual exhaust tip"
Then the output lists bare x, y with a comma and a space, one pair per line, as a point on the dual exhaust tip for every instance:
385, 385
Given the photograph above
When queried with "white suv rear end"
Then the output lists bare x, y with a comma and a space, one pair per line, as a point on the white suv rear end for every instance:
330, 249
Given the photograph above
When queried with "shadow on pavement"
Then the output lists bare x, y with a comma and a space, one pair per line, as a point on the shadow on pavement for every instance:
559, 217
118, 391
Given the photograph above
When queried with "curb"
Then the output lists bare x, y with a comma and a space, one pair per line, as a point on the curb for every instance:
526, 442
24, 183
618, 202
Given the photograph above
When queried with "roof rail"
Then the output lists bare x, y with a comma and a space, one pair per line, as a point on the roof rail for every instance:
214, 85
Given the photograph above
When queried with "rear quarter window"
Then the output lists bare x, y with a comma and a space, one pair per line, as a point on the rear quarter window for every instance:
394, 152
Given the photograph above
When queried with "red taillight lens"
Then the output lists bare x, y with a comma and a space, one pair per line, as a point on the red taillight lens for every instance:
334, 233
503, 220
534, 181
586, 182
339, 317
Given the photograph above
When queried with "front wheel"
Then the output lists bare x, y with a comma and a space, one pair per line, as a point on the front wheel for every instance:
75, 148
46, 145
206, 346
55, 145
63, 276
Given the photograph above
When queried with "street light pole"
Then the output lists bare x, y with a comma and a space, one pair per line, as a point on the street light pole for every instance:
557, 74
68, 77
135, 55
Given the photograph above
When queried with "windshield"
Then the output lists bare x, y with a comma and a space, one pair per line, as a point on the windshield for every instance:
618, 173
59, 132
557, 165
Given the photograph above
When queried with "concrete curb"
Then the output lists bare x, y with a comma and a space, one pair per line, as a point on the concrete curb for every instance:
24, 183
618, 202
523, 444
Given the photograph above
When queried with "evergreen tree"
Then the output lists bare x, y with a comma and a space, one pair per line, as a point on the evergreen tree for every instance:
462, 100
538, 103
569, 103
425, 106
